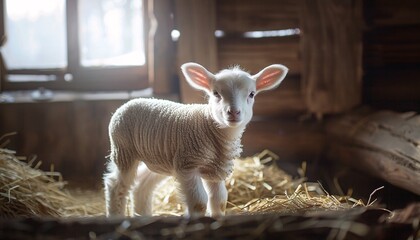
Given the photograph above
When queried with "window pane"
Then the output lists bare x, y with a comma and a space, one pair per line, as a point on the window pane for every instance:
36, 34
111, 33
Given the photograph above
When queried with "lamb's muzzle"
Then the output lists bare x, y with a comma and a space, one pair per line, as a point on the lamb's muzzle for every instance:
153, 139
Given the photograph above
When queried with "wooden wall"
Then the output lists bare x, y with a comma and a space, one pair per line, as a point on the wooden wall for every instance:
71, 135
391, 51
392, 54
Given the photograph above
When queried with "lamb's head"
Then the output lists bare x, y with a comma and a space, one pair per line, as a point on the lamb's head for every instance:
231, 91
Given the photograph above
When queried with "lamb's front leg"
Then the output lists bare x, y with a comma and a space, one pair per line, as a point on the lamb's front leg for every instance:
193, 190
218, 196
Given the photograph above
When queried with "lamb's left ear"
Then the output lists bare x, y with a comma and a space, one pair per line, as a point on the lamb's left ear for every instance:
270, 77
197, 76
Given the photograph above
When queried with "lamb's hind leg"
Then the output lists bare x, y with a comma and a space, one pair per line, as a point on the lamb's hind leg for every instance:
145, 184
118, 182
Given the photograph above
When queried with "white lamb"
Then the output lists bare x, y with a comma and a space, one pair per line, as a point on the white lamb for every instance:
195, 143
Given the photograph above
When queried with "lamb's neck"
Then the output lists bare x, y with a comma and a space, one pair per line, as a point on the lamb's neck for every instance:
233, 134
230, 134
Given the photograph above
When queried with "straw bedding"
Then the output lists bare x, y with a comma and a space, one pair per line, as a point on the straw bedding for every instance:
256, 186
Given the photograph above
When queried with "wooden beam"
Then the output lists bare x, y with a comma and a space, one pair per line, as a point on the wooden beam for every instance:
331, 46
196, 21
313, 225
384, 144
161, 47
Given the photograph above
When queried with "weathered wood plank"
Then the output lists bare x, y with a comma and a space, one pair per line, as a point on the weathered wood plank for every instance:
250, 15
393, 87
387, 46
392, 13
385, 144
331, 54
361, 223
255, 54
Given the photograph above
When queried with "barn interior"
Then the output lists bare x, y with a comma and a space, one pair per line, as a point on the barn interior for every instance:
347, 110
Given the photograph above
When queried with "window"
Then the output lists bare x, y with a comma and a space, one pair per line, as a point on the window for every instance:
74, 44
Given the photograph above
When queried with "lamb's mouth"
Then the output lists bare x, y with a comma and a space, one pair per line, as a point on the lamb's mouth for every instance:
233, 121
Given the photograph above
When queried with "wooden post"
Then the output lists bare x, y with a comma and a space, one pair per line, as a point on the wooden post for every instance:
196, 21
2, 42
161, 54
384, 144
331, 47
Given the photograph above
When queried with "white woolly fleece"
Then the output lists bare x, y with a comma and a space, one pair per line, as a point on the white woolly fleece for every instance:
170, 137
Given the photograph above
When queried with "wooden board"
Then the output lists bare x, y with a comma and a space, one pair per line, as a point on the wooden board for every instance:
392, 13
396, 88
250, 15
256, 54
358, 223
392, 46
331, 55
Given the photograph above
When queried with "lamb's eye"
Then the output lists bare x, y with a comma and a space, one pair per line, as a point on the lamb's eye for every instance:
216, 94
252, 94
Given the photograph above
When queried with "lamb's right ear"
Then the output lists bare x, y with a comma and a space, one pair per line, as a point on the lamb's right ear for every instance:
197, 76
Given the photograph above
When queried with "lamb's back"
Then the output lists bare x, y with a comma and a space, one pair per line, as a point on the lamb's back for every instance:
159, 130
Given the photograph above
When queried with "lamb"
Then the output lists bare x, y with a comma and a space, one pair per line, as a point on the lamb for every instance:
153, 139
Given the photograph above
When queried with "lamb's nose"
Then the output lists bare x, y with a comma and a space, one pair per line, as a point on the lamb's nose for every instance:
234, 112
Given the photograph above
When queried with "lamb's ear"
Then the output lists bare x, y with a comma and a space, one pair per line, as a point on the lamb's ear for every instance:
197, 76
270, 77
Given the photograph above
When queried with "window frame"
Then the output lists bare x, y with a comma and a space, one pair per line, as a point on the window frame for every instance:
109, 78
